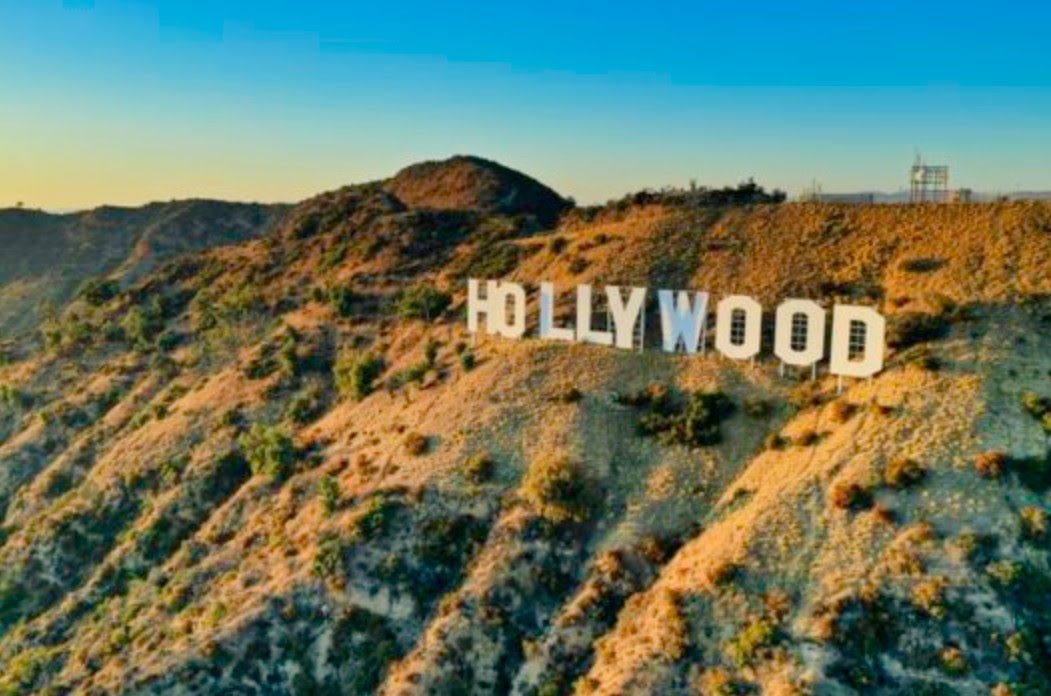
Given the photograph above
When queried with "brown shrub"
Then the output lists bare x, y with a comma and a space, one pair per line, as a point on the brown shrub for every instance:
851, 496
653, 550
952, 660
1034, 522
776, 441
928, 595
716, 681
904, 562
884, 514
990, 464
841, 411
902, 472
416, 444
724, 572
882, 409
568, 394
807, 438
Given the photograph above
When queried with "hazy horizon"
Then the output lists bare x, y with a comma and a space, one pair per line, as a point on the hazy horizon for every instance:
123, 103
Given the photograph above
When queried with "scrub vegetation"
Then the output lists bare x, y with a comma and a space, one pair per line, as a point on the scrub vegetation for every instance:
282, 466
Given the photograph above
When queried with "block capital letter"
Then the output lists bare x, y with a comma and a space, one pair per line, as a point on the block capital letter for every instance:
858, 335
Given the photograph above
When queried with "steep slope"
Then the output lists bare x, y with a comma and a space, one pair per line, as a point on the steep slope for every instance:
48, 257
282, 466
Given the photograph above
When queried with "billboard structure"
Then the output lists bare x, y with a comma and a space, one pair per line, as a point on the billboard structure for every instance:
928, 182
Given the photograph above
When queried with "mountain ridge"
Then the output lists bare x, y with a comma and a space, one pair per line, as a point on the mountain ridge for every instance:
283, 466
50, 255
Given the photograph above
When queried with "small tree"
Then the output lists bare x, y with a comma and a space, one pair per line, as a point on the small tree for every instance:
422, 302
328, 493
356, 372
559, 488
268, 450
138, 326
99, 291
430, 351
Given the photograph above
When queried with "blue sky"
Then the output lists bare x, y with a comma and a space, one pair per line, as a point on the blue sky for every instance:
125, 101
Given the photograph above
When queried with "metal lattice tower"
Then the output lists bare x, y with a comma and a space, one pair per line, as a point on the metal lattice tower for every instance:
928, 182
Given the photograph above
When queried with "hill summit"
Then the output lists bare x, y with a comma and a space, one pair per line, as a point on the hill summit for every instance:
466, 182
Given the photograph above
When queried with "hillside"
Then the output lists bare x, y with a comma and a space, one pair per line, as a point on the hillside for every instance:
47, 257
282, 467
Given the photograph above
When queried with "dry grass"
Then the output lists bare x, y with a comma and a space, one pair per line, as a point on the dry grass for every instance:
710, 576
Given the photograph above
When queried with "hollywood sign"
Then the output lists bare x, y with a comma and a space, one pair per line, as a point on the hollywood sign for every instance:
855, 343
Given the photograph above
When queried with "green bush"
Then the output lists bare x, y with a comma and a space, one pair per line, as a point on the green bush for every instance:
26, 668
268, 450
167, 341
341, 299
356, 372
240, 302
952, 661
99, 291
1004, 574
304, 406
1033, 472
374, 518
693, 424
430, 351
203, 315
1034, 523
422, 302
231, 418
492, 261
479, 468
559, 489
172, 469
139, 326
328, 561
744, 647
328, 494
14, 398
334, 256
1035, 405
413, 373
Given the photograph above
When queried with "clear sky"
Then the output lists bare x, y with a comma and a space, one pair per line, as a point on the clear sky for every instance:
125, 101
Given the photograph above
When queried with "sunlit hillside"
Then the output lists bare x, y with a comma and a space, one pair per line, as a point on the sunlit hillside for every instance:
284, 467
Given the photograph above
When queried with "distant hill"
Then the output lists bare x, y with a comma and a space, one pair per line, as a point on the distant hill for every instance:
47, 256
282, 466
